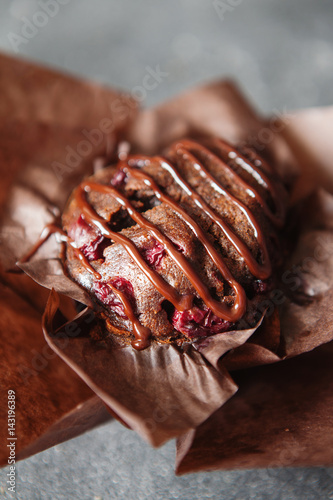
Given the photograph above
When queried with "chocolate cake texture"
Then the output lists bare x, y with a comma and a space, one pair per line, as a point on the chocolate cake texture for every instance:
178, 247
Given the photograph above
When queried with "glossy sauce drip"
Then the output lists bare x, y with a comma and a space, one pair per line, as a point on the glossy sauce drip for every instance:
221, 310
261, 271
230, 154
184, 150
141, 333
50, 229
181, 302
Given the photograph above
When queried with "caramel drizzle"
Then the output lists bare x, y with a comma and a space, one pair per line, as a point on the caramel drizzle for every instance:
185, 149
141, 333
261, 271
221, 310
232, 155
181, 302
48, 230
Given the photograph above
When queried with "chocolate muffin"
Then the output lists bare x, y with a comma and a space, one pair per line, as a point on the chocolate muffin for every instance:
177, 247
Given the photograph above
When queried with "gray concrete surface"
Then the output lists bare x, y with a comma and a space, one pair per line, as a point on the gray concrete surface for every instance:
281, 52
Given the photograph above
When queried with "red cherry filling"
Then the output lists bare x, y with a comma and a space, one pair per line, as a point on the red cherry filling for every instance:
262, 286
154, 253
119, 178
198, 323
88, 240
109, 298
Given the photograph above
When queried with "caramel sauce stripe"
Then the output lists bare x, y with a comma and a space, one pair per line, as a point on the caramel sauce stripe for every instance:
91, 216
141, 333
221, 310
261, 271
241, 161
185, 150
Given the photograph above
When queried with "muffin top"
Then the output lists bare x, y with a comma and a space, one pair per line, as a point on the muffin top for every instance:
177, 247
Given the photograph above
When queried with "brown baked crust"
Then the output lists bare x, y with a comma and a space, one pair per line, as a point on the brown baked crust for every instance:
115, 266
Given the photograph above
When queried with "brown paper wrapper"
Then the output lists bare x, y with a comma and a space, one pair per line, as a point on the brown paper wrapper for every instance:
160, 392
48, 392
191, 385
42, 115
280, 417
282, 414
